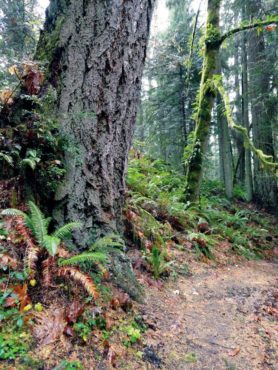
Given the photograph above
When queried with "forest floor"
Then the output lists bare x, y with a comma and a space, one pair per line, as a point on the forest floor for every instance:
221, 318
210, 276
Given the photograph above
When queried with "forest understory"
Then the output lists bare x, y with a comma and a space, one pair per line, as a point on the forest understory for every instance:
210, 293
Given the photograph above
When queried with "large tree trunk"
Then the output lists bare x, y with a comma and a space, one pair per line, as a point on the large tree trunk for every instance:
265, 186
97, 50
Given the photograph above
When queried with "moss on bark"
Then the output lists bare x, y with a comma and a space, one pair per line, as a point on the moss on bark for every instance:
205, 101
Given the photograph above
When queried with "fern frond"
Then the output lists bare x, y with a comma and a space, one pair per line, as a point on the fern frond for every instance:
109, 243
38, 223
66, 230
47, 222
84, 257
22, 229
7, 158
12, 212
84, 279
28, 162
47, 271
51, 244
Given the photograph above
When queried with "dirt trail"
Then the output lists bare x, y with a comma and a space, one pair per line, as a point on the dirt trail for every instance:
218, 319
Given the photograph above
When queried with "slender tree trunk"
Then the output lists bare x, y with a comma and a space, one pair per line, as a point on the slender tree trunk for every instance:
220, 140
97, 69
206, 101
248, 181
226, 158
265, 186
240, 175
182, 104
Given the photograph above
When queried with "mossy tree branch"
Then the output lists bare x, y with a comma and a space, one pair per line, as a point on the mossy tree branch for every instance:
250, 26
210, 84
266, 160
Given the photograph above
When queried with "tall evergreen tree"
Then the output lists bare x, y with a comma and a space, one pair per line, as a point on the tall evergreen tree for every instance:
265, 186
96, 52
171, 83
19, 25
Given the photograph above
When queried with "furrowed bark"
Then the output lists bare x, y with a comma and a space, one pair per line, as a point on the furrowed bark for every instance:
97, 51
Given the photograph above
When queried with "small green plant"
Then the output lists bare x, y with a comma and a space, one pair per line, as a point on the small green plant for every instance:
87, 323
83, 330
32, 159
190, 358
157, 261
14, 340
202, 244
13, 345
69, 365
5, 157
133, 335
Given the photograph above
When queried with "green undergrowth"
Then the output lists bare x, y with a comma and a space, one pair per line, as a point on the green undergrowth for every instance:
156, 194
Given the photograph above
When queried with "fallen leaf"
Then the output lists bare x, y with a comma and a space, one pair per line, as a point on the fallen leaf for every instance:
234, 353
73, 312
122, 300
9, 302
21, 292
271, 27
69, 331
271, 311
6, 96
13, 70
7, 261
38, 307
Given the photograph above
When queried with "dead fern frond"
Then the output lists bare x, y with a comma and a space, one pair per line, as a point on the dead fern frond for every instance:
84, 279
48, 267
63, 252
31, 259
24, 232
49, 325
32, 250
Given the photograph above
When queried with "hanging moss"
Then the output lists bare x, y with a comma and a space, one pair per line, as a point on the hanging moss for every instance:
49, 41
266, 160
210, 85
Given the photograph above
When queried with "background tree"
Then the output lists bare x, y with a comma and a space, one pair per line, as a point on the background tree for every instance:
19, 28
170, 87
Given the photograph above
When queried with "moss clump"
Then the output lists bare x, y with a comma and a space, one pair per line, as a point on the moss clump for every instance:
49, 42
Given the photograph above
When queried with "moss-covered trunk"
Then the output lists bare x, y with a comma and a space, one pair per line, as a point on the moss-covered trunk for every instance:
205, 102
96, 51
